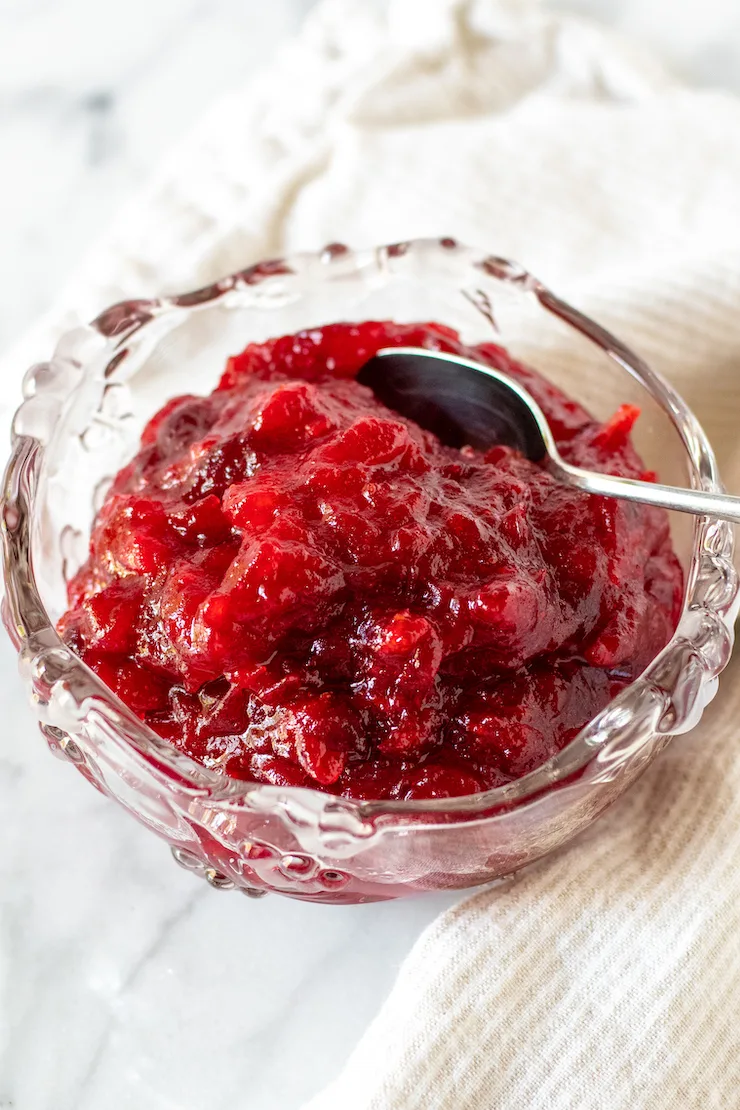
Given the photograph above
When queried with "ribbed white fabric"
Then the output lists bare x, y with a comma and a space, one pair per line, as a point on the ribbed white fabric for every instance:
607, 976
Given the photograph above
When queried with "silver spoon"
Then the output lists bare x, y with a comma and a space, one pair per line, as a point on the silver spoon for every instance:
465, 402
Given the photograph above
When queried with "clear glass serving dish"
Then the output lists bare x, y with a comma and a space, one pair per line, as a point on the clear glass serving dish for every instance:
80, 422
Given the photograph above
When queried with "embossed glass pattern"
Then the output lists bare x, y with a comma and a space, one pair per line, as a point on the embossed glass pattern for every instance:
80, 421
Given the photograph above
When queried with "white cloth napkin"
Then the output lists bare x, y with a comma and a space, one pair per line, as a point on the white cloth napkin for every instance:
607, 976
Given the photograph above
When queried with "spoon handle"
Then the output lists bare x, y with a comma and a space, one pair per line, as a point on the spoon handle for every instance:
720, 505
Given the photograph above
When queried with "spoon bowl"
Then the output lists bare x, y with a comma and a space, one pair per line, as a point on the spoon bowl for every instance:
465, 402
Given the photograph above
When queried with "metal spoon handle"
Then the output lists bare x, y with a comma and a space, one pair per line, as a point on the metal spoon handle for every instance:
698, 502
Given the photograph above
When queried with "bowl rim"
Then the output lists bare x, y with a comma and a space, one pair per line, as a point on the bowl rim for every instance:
667, 698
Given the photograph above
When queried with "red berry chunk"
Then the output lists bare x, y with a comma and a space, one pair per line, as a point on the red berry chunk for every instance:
293, 584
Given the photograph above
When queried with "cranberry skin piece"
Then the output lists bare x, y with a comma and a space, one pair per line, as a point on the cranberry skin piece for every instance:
293, 584
440, 781
179, 423
202, 523
132, 536
291, 417
398, 660
270, 769
253, 507
110, 616
139, 687
320, 733
370, 441
268, 589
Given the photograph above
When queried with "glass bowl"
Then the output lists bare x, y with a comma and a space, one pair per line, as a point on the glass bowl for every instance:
80, 422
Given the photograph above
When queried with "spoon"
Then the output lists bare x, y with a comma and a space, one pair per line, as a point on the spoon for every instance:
465, 402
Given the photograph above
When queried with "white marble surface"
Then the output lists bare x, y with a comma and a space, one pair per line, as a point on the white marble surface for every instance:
91, 94
128, 984
124, 982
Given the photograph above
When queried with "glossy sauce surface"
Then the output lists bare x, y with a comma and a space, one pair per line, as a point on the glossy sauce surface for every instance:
294, 584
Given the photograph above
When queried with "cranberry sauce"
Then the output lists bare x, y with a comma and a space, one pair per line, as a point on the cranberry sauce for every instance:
298, 586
